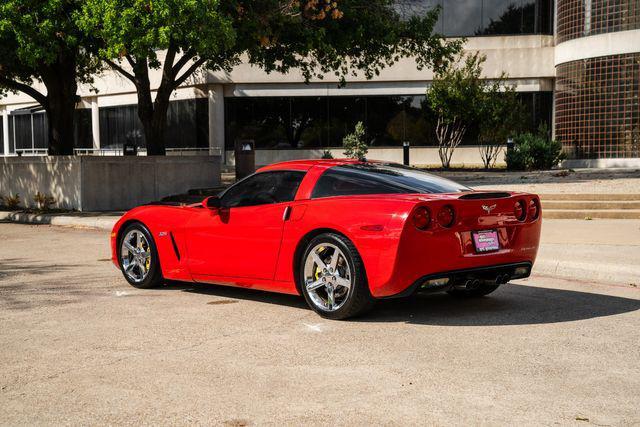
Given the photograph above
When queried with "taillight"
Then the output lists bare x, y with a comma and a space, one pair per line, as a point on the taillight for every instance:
421, 218
534, 209
446, 216
520, 210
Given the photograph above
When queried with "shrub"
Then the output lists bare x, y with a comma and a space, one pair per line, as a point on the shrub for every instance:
326, 154
354, 144
43, 202
534, 152
12, 202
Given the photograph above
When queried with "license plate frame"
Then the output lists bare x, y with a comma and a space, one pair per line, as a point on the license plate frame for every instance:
485, 241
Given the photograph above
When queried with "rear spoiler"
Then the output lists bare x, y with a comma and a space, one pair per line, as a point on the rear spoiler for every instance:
484, 195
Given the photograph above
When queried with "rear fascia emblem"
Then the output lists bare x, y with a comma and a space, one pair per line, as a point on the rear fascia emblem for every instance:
488, 208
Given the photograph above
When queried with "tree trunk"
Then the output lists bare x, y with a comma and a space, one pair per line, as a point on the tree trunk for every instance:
152, 114
60, 81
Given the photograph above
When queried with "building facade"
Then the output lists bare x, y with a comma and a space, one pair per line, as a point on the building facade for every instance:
575, 65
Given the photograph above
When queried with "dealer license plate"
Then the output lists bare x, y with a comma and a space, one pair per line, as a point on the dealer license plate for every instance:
486, 241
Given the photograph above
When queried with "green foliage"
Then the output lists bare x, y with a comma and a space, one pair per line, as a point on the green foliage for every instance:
312, 37
354, 144
501, 115
456, 95
326, 154
12, 201
40, 41
142, 29
456, 92
534, 152
43, 202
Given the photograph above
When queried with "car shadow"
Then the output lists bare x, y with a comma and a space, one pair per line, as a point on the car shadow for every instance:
238, 293
510, 305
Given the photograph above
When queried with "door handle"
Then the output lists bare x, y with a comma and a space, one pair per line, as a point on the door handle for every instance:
287, 213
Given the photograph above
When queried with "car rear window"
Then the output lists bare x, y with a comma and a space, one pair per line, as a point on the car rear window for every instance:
380, 178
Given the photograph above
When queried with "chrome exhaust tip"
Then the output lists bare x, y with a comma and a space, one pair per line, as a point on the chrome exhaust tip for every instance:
472, 284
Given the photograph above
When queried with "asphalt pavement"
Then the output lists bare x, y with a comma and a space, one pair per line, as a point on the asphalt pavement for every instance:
80, 346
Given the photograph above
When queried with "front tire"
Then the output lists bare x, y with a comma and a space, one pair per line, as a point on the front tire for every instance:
332, 278
138, 257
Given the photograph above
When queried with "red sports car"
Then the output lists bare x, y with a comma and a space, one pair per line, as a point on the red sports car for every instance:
342, 233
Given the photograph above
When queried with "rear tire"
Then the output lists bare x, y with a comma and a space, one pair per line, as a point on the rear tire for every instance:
473, 293
332, 278
138, 257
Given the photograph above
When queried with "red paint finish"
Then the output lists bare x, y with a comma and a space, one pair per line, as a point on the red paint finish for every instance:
256, 246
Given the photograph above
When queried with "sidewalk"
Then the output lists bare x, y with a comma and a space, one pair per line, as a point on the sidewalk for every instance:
98, 220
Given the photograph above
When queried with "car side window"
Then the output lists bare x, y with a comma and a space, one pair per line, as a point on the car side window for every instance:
345, 182
263, 188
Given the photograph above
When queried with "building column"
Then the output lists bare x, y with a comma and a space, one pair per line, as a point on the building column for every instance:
216, 120
95, 122
5, 131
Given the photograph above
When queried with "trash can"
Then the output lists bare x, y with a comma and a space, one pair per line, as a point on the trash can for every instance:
245, 155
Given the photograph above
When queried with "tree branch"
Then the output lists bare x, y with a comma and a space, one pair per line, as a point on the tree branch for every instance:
189, 71
24, 88
184, 59
121, 70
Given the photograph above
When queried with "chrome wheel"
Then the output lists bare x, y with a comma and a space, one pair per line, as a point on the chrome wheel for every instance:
327, 277
135, 256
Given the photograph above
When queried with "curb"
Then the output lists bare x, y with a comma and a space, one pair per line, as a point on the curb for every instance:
98, 222
578, 270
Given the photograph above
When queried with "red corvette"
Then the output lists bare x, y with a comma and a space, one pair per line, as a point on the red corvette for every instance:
342, 233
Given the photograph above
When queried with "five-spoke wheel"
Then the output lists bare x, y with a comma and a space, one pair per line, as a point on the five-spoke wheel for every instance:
138, 257
332, 277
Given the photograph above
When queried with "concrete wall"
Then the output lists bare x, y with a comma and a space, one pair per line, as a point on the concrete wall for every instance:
468, 155
105, 183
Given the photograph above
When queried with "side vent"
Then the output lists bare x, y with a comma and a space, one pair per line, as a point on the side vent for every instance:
484, 195
175, 246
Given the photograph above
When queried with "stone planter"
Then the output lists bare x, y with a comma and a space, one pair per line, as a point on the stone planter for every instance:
88, 183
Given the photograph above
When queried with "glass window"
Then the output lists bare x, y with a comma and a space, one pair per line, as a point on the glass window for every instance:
502, 17
188, 123
374, 178
308, 127
462, 17
263, 188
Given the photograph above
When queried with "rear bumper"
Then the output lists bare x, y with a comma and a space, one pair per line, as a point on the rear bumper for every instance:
493, 273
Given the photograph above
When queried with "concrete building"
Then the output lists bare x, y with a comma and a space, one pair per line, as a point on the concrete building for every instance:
575, 64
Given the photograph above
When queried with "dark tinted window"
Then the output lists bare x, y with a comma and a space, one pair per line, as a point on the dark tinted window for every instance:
350, 180
263, 188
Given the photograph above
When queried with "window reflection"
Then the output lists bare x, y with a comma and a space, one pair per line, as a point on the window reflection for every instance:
320, 122
484, 17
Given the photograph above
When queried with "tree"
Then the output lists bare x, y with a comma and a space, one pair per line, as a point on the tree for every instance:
455, 95
314, 36
40, 41
355, 147
501, 116
176, 36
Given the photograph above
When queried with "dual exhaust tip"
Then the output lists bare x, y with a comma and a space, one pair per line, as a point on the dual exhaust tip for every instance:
475, 283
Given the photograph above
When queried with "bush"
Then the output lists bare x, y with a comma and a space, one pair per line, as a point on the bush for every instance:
534, 152
12, 202
43, 202
326, 154
354, 144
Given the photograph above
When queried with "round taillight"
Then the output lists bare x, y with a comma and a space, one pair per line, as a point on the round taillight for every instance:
446, 216
520, 210
534, 209
421, 218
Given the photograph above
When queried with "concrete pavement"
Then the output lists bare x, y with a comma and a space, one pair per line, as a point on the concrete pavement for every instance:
79, 346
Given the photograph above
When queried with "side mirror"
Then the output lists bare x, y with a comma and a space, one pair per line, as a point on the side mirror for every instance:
212, 202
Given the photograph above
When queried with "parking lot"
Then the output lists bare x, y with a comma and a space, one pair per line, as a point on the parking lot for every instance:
80, 346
